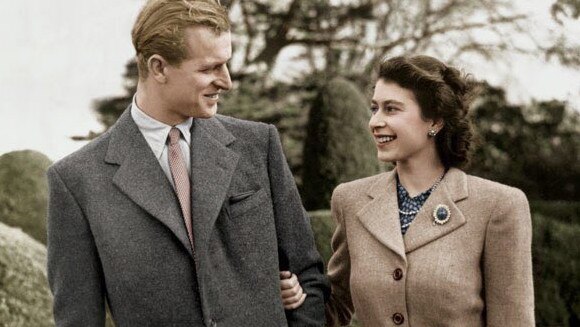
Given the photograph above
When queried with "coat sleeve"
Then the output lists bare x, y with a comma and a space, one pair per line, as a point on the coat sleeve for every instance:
507, 263
296, 248
339, 308
74, 270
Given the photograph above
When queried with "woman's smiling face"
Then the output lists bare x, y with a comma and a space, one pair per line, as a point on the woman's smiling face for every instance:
397, 125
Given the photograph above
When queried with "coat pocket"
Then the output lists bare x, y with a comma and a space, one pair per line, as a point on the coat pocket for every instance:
243, 202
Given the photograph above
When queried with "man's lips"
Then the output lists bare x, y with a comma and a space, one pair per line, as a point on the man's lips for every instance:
212, 96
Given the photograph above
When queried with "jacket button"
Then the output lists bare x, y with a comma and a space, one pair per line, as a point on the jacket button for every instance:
398, 319
397, 274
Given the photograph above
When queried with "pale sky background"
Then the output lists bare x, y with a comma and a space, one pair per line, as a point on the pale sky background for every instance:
58, 56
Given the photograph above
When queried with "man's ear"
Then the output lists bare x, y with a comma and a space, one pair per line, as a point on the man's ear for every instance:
157, 66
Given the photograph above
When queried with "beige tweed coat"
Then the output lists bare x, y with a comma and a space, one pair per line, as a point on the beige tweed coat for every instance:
474, 270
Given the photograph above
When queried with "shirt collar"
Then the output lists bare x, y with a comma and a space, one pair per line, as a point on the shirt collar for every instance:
156, 132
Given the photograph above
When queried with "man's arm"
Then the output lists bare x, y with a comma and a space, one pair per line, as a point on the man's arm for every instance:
296, 248
74, 269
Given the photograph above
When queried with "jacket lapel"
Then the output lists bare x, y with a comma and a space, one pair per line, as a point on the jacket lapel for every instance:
423, 230
381, 217
212, 167
141, 178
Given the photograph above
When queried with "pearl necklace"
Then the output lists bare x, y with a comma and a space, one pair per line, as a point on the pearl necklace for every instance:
414, 212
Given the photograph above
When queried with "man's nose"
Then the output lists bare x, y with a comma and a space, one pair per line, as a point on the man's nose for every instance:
224, 81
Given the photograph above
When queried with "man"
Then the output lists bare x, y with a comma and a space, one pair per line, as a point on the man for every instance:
177, 216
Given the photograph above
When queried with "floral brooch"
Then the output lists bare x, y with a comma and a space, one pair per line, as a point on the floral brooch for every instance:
441, 214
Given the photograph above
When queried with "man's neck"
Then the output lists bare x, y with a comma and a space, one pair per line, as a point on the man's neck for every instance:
152, 105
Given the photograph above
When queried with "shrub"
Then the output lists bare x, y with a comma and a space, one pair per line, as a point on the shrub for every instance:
25, 299
556, 255
323, 228
24, 192
562, 211
338, 146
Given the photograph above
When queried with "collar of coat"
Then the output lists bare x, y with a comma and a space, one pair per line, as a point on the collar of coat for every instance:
141, 178
381, 217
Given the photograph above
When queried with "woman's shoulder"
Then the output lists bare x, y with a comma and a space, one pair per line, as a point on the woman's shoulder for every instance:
361, 183
486, 188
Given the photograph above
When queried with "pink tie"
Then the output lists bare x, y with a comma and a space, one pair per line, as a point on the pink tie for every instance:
180, 179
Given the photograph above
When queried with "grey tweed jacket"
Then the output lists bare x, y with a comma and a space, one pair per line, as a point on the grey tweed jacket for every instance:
116, 233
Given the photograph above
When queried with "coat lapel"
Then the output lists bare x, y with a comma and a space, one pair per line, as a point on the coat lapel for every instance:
423, 230
141, 178
212, 167
381, 217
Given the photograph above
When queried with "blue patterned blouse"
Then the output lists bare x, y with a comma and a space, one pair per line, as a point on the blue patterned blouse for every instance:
409, 206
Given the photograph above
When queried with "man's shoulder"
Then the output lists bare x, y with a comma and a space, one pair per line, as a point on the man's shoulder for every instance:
244, 129
229, 121
89, 154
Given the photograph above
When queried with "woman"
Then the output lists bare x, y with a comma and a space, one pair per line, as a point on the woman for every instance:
426, 244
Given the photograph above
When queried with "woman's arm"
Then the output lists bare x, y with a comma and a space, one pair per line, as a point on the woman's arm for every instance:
292, 293
339, 308
507, 263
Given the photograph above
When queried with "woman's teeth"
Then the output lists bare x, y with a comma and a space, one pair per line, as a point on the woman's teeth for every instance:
385, 139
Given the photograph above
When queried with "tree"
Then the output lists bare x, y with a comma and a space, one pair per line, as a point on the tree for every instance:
338, 145
109, 109
534, 147
345, 38
565, 9
350, 36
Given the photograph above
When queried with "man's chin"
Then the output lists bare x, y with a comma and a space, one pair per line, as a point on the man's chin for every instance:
205, 113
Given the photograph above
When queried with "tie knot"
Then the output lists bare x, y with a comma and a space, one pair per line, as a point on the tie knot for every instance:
174, 134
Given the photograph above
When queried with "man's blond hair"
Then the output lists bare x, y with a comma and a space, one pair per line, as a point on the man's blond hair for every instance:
160, 27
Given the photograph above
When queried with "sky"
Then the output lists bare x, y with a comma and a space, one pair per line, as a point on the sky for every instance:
59, 56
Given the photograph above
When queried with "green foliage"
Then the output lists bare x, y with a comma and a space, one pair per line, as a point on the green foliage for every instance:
25, 299
338, 146
561, 211
535, 148
24, 192
278, 104
323, 226
556, 255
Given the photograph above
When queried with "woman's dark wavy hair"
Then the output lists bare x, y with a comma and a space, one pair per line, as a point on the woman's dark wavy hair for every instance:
442, 92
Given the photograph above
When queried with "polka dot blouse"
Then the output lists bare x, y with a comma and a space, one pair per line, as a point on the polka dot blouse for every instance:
409, 206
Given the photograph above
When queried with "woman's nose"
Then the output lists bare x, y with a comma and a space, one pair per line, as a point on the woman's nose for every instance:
377, 121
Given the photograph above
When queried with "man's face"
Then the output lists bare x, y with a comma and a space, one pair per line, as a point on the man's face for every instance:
193, 87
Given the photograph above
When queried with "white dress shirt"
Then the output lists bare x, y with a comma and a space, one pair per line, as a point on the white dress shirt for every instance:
156, 134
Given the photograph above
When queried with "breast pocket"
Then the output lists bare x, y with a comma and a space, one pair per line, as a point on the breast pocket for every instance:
244, 202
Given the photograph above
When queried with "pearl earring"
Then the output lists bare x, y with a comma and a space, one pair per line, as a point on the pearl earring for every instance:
432, 133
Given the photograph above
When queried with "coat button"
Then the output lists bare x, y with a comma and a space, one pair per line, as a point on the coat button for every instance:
397, 274
398, 319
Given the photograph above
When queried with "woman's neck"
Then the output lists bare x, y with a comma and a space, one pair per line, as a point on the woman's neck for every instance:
418, 176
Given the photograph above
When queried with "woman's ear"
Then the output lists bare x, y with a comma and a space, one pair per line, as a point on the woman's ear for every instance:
437, 125
157, 68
